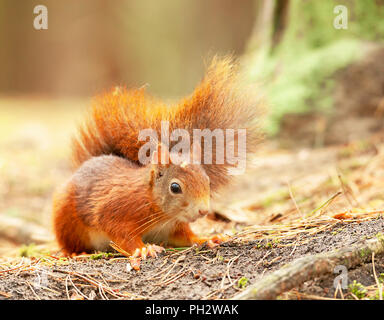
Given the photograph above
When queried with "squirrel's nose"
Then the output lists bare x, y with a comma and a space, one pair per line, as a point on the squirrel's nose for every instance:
203, 212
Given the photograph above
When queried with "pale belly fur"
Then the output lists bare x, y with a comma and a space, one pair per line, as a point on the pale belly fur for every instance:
100, 240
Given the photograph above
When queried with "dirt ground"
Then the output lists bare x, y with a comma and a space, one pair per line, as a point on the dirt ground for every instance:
197, 273
291, 204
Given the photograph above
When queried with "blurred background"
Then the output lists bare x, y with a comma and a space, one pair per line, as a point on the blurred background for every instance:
321, 71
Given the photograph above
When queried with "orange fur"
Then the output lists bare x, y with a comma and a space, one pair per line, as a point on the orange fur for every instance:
112, 196
121, 203
219, 102
67, 224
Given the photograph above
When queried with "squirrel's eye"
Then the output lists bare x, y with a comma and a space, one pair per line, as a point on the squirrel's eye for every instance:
175, 188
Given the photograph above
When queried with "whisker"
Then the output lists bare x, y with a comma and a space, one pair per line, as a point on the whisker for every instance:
151, 222
157, 233
154, 222
140, 208
151, 216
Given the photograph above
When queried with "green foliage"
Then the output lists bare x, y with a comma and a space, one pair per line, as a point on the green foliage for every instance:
305, 83
31, 250
358, 289
380, 237
365, 253
242, 283
28, 250
103, 255
269, 245
176, 249
298, 72
376, 296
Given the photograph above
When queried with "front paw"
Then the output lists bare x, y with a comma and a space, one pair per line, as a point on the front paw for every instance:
149, 250
214, 240
217, 239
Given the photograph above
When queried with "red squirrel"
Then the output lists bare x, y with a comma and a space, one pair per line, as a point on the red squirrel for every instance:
112, 196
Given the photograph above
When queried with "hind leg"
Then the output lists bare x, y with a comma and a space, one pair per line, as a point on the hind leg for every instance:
71, 233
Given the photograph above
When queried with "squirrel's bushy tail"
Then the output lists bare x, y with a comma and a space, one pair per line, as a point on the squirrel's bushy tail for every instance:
219, 102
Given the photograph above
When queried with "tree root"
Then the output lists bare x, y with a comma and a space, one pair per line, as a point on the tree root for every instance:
303, 269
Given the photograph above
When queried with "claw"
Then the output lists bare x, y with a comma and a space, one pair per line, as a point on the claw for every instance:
135, 263
153, 250
215, 240
149, 250
211, 244
219, 238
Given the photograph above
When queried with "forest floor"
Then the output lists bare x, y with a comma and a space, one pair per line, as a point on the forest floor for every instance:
194, 273
292, 205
